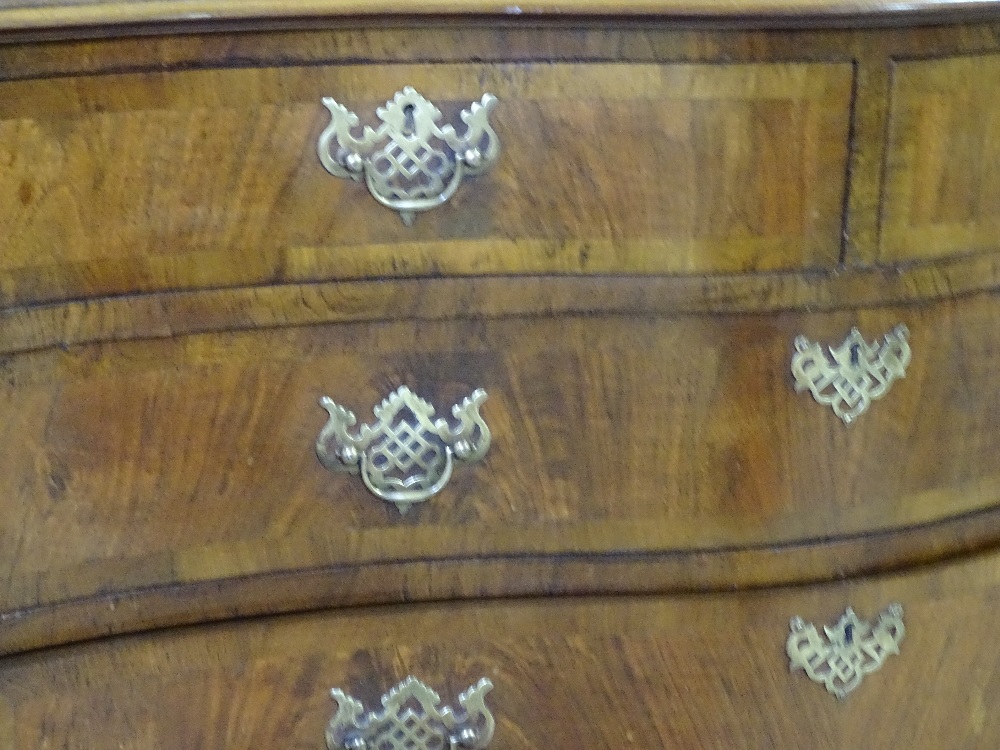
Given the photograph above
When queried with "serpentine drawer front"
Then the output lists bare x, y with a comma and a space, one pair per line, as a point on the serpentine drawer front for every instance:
662, 435
647, 672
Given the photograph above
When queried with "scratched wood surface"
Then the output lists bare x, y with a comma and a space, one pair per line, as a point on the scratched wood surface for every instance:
699, 672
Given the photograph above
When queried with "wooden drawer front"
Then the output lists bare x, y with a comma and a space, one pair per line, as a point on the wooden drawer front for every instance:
190, 459
695, 672
942, 186
153, 181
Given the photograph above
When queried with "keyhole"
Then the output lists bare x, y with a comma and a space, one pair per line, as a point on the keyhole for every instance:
848, 634
408, 126
855, 355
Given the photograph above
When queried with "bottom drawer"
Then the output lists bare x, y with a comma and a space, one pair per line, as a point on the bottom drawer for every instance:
704, 671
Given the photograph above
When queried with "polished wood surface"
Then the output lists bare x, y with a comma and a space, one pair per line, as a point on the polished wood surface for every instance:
87, 228
676, 201
134, 183
152, 607
609, 435
166, 315
687, 672
943, 164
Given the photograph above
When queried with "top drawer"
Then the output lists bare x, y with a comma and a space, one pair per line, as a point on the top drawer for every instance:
155, 181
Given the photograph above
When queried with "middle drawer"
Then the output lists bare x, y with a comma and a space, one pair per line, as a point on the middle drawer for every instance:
134, 463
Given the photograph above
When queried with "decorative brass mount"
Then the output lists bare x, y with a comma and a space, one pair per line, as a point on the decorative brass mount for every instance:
411, 719
410, 163
406, 456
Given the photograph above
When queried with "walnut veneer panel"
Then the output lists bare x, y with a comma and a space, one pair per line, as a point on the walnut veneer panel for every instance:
694, 672
191, 459
153, 181
942, 190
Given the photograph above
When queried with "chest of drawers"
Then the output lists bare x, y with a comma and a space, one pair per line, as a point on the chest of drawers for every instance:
681, 193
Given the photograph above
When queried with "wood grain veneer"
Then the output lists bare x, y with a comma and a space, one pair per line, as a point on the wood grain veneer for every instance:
147, 607
691, 672
943, 165
685, 187
871, 53
133, 183
191, 459
179, 313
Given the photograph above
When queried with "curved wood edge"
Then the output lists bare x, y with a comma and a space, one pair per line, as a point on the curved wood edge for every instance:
101, 16
496, 577
169, 314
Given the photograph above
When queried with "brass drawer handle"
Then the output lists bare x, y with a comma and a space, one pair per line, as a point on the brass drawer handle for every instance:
397, 726
852, 375
852, 648
410, 162
406, 456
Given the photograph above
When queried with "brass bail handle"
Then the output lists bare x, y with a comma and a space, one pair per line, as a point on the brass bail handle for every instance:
406, 456
410, 162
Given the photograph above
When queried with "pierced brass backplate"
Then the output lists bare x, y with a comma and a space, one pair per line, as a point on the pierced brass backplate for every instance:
854, 374
852, 648
411, 719
410, 163
406, 456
